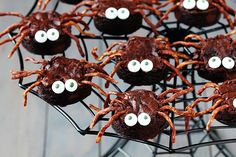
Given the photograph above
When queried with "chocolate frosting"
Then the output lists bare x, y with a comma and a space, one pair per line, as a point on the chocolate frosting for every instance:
221, 46
45, 21
62, 69
140, 101
227, 90
118, 26
196, 17
140, 48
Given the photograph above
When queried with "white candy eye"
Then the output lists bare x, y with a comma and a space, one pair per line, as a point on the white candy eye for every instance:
111, 13
58, 87
234, 103
144, 119
131, 119
134, 66
202, 4
214, 62
189, 4
146, 65
228, 63
123, 13
41, 36
53, 34
71, 85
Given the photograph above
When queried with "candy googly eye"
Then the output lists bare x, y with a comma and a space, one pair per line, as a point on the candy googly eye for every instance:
71, 85
189, 4
234, 103
134, 66
146, 65
123, 13
228, 63
41, 36
58, 87
214, 62
202, 4
53, 34
131, 119
111, 13
144, 119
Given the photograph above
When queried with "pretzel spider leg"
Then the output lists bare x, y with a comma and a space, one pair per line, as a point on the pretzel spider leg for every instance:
213, 115
167, 118
72, 23
76, 40
21, 38
207, 85
148, 21
178, 94
89, 3
28, 90
197, 114
177, 72
196, 36
99, 74
182, 65
165, 16
108, 124
95, 86
187, 44
99, 114
226, 15
43, 5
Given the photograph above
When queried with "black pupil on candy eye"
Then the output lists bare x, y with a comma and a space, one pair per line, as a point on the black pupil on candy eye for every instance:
71, 84
134, 63
145, 117
57, 85
53, 33
42, 35
130, 117
214, 60
146, 63
229, 60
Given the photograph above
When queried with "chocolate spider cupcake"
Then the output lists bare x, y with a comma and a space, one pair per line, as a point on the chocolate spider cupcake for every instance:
140, 118
142, 60
62, 81
120, 17
199, 13
219, 57
45, 33
140, 114
46, 37
228, 91
214, 58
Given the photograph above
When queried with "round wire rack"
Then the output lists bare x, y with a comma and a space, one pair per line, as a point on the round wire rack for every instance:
196, 137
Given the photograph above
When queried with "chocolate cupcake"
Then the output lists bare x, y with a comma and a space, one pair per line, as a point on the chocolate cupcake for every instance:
120, 17
140, 114
199, 13
62, 81
45, 33
214, 58
142, 60
199, 16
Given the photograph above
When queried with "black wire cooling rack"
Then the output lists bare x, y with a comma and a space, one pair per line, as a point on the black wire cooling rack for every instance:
175, 31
